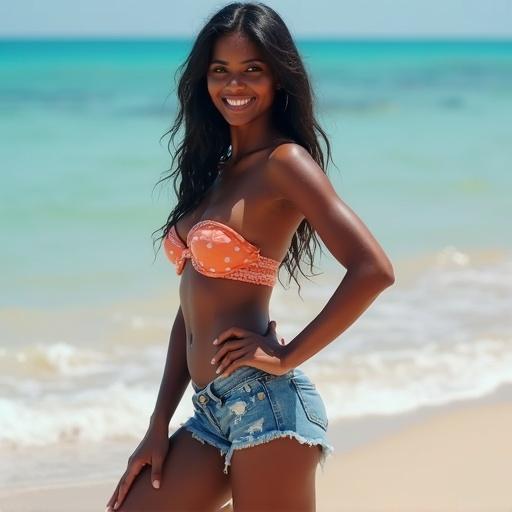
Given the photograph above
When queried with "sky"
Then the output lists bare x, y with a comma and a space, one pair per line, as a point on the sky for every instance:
305, 18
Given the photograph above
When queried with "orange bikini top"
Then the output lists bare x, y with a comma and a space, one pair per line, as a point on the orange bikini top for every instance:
217, 250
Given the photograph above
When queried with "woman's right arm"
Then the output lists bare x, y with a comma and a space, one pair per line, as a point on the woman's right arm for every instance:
153, 448
176, 376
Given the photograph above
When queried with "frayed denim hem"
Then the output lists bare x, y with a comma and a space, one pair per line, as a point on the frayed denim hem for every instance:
195, 435
327, 449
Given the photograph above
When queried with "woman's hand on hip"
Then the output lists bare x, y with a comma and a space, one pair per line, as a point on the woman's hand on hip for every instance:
249, 348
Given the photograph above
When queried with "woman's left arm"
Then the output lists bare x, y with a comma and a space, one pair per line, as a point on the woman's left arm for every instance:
298, 179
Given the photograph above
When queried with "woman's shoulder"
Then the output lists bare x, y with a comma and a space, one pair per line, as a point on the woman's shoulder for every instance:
292, 157
284, 146
294, 175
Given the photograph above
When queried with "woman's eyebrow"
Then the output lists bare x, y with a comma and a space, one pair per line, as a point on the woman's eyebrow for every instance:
242, 62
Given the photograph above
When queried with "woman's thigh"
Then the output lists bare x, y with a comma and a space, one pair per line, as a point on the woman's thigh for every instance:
277, 475
192, 480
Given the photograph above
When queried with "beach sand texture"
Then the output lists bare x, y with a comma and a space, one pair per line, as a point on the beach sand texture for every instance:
458, 459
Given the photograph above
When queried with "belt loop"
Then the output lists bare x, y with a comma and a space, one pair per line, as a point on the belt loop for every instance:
211, 394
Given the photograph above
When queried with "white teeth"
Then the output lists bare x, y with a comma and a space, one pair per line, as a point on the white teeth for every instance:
238, 103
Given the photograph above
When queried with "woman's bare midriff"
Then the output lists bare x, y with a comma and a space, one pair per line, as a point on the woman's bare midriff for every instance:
212, 305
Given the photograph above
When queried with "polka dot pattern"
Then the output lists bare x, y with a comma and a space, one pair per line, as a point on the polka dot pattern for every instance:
212, 244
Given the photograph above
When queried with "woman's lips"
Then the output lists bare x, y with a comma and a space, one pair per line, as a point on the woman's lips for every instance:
238, 108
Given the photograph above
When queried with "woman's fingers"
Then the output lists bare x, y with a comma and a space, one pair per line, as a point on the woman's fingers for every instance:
113, 499
227, 347
156, 471
232, 332
127, 480
229, 363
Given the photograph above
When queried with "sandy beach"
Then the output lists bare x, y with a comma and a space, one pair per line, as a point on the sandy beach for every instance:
455, 461
455, 458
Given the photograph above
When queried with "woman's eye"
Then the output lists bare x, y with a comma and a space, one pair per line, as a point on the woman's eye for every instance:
223, 69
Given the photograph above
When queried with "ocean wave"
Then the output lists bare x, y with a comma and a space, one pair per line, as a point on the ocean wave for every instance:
388, 382
54, 359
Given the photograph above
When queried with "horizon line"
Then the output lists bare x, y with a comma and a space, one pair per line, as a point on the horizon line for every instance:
323, 37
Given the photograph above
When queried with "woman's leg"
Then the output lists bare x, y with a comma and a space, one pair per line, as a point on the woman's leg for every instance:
277, 475
192, 480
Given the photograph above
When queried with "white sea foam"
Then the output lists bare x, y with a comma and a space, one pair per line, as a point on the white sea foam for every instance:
395, 381
445, 335
117, 411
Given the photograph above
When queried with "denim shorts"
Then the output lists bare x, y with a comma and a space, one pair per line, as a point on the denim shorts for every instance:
251, 406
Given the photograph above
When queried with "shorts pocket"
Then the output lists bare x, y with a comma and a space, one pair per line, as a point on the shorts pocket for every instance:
311, 400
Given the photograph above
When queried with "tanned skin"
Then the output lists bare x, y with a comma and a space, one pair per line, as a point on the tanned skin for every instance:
268, 181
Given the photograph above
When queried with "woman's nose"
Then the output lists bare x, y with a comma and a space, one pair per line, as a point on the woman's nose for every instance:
235, 80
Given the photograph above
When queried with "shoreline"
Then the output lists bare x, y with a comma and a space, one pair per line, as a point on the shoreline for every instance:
438, 458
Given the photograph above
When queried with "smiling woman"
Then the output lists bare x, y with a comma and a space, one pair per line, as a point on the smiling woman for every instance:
252, 193
240, 85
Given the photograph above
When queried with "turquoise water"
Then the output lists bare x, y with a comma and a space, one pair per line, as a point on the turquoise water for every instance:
421, 135
422, 142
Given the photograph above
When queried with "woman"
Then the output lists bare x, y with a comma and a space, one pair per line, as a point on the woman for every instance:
252, 193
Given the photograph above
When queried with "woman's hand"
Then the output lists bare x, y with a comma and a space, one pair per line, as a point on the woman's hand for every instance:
152, 450
250, 349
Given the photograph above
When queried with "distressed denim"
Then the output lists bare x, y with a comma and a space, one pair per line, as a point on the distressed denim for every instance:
251, 406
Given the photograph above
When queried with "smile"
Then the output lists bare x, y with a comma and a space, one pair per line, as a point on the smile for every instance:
238, 103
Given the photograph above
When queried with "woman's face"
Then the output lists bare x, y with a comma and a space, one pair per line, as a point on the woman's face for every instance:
238, 72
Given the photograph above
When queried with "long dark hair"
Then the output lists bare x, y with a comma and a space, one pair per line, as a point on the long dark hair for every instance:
206, 138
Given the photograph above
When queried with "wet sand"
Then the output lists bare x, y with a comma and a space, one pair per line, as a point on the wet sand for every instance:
454, 458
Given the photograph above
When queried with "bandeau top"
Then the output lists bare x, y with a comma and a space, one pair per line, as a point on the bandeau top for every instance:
217, 250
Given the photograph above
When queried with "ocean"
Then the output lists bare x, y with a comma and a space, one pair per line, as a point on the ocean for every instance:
421, 139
